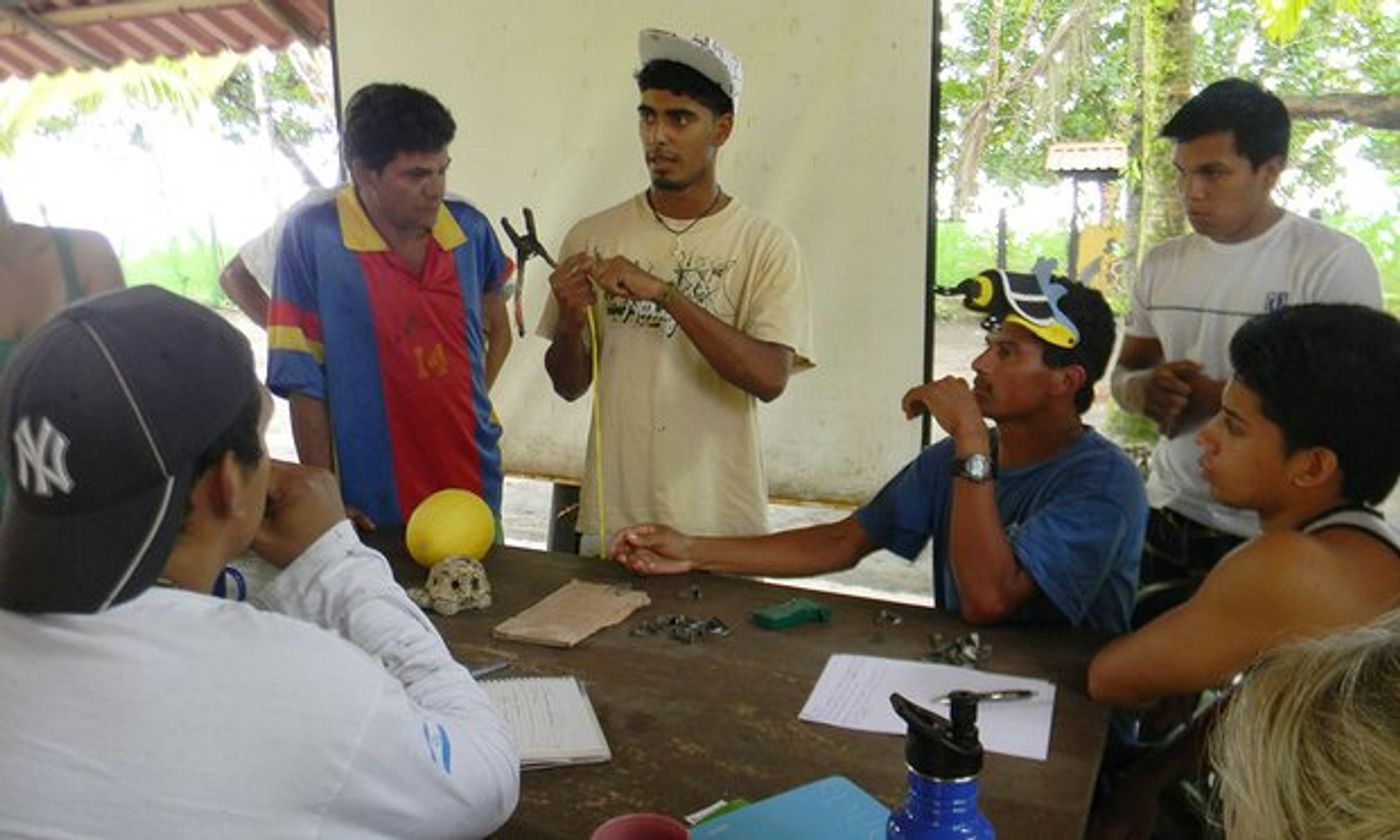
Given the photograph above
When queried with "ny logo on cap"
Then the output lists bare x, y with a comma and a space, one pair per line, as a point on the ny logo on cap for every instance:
41, 461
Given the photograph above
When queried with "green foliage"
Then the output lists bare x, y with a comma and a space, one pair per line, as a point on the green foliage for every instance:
1129, 429
56, 103
1091, 88
1331, 47
189, 265
295, 112
1281, 21
1080, 95
1382, 238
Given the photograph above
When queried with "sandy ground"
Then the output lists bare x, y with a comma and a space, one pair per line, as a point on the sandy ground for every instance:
525, 509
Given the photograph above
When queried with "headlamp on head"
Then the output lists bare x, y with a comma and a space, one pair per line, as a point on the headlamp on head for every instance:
1030, 300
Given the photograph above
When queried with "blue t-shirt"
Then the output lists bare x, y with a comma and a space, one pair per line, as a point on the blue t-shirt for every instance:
1075, 524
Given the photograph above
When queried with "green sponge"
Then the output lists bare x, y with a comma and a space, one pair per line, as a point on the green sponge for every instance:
790, 613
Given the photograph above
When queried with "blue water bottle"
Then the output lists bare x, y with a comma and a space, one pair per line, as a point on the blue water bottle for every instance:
944, 758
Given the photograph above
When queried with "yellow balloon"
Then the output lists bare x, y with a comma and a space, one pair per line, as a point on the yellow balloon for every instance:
450, 523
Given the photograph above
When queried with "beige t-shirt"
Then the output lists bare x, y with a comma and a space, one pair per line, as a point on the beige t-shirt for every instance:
680, 444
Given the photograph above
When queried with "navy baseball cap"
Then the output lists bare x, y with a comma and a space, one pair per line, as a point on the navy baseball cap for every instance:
105, 411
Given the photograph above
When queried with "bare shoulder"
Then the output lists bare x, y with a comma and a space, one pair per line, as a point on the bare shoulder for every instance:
1309, 582
96, 260
87, 241
1358, 557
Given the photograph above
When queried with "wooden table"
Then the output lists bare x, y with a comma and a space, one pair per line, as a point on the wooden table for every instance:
692, 723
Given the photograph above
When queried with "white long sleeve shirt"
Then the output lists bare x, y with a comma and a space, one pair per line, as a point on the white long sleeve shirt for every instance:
181, 715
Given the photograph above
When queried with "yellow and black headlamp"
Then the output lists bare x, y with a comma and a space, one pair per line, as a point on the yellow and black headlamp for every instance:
1031, 300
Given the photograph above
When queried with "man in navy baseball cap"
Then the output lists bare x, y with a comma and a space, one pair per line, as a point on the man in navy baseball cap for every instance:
136, 705
107, 410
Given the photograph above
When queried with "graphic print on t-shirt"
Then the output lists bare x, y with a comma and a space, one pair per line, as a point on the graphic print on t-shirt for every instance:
695, 277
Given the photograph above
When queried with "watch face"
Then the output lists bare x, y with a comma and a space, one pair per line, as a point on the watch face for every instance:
977, 467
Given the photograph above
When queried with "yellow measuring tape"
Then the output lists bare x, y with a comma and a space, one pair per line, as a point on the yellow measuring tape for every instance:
597, 429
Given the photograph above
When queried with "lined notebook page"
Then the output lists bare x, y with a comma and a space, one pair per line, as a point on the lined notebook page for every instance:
552, 718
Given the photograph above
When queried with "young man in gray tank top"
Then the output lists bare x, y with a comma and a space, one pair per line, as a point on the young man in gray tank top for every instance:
1306, 438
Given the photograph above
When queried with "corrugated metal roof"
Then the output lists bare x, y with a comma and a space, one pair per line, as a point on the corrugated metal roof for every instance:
49, 36
1097, 156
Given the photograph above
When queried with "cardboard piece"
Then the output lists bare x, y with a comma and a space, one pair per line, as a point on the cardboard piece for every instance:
571, 613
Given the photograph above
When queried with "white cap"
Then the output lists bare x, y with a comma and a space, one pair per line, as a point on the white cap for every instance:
700, 53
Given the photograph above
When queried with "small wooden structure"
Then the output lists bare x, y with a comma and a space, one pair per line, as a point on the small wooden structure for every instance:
1099, 161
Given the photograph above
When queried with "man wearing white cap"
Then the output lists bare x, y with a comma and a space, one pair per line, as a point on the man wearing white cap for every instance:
704, 310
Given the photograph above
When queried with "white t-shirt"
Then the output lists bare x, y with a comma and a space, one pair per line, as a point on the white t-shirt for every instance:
1193, 294
259, 254
182, 715
680, 444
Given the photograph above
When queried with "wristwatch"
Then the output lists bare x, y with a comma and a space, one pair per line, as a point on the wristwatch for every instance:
976, 467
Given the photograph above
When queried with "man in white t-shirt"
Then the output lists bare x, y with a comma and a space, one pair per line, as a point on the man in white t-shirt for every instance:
703, 312
134, 704
1246, 255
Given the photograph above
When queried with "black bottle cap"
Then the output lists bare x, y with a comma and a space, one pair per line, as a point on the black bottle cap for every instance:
937, 747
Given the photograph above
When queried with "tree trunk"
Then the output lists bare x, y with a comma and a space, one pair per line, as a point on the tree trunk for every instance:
1005, 82
1167, 47
979, 122
969, 155
292, 153
1132, 211
1375, 110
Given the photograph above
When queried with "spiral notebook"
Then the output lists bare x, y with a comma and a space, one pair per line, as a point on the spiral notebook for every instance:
552, 718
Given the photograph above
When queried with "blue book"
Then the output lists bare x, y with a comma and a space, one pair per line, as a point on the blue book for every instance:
832, 808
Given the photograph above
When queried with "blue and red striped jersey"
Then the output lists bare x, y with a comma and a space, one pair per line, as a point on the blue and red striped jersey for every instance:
398, 357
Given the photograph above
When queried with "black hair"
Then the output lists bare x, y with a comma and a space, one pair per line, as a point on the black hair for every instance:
383, 120
1329, 375
684, 80
1257, 119
1089, 311
242, 438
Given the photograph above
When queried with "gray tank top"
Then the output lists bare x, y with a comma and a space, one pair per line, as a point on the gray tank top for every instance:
1360, 519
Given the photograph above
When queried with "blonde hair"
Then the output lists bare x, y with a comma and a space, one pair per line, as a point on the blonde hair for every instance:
1310, 745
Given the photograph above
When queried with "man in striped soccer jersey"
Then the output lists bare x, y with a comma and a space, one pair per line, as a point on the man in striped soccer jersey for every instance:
388, 318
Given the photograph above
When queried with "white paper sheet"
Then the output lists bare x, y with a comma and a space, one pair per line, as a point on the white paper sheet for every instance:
853, 692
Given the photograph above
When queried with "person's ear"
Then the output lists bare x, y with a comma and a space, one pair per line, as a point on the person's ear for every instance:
1271, 170
360, 174
723, 126
230, 489
1070, 379
1314, 466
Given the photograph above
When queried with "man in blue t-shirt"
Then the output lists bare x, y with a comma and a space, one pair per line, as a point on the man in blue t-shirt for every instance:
1039, 519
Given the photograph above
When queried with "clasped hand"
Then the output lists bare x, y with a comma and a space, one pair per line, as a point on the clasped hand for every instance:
573, 281
302, 504
1177, 395
949, 401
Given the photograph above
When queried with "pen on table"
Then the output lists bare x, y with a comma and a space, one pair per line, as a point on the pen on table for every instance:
1002, 696
478, 673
